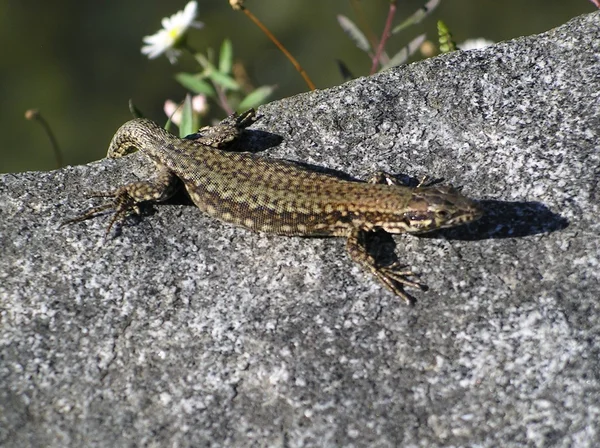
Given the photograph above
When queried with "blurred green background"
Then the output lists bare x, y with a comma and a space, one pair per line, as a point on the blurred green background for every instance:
79, 61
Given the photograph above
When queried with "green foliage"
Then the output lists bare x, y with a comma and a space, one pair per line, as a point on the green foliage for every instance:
188, 123
256, 98
226, 57
216, 78
445, 38
354, 33
402, 56
378, 57
418, 15
195, 83
216, 82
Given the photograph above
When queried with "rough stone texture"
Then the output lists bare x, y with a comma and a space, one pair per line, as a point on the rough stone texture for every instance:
182, 331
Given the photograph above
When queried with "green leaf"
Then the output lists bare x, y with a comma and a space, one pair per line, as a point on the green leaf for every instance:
210, 71
419, 15
256, 97
134, 110
195, 84
208, 60
168, 125
205, 61
226, 57
406, 52
354, 33
186, 126
227, 82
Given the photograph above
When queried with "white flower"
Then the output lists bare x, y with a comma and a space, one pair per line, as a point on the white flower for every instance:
475, 44
171, 36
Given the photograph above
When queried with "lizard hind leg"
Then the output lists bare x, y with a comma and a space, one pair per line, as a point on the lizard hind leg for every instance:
122, 204
224, 134
128, 198
392, 276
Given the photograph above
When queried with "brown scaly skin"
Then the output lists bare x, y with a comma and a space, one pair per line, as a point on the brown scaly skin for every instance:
279, 196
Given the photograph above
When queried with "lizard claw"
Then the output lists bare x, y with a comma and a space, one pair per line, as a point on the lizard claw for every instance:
394, 278
122, 204
393, 272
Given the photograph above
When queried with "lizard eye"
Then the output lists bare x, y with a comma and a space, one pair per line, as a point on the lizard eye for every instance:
443, 214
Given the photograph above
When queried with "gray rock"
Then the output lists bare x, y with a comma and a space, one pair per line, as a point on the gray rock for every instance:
183, 331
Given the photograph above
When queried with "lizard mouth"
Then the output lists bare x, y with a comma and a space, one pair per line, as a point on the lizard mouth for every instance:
440, 215
464, 217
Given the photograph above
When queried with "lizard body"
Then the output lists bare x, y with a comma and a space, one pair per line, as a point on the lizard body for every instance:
279, 196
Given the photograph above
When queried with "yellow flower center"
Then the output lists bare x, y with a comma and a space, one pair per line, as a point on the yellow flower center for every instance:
174, 33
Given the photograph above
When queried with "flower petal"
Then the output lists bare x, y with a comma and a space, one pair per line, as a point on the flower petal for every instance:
171, 35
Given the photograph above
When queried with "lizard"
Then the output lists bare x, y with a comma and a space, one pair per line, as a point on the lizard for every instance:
280, 196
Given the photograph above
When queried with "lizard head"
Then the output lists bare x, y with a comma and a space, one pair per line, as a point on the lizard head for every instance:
439, 207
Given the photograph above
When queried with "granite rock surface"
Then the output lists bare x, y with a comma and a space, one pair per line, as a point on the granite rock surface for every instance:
180, 330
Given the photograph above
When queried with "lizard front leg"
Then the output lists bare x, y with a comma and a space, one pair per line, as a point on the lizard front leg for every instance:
392, 276
128, 198
383, 177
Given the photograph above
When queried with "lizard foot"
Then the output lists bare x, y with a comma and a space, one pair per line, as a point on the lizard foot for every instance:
122, 204
393, 276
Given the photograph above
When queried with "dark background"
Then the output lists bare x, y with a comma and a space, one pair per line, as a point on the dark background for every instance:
79, 61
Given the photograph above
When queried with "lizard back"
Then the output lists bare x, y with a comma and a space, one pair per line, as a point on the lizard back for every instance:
283, 197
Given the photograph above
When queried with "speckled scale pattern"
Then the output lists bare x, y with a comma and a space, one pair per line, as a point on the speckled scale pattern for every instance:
280, 196
274, 195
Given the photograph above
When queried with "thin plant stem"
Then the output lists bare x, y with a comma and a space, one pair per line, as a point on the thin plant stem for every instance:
35, 114
364, 24
222, 99
279, 45
384, 36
